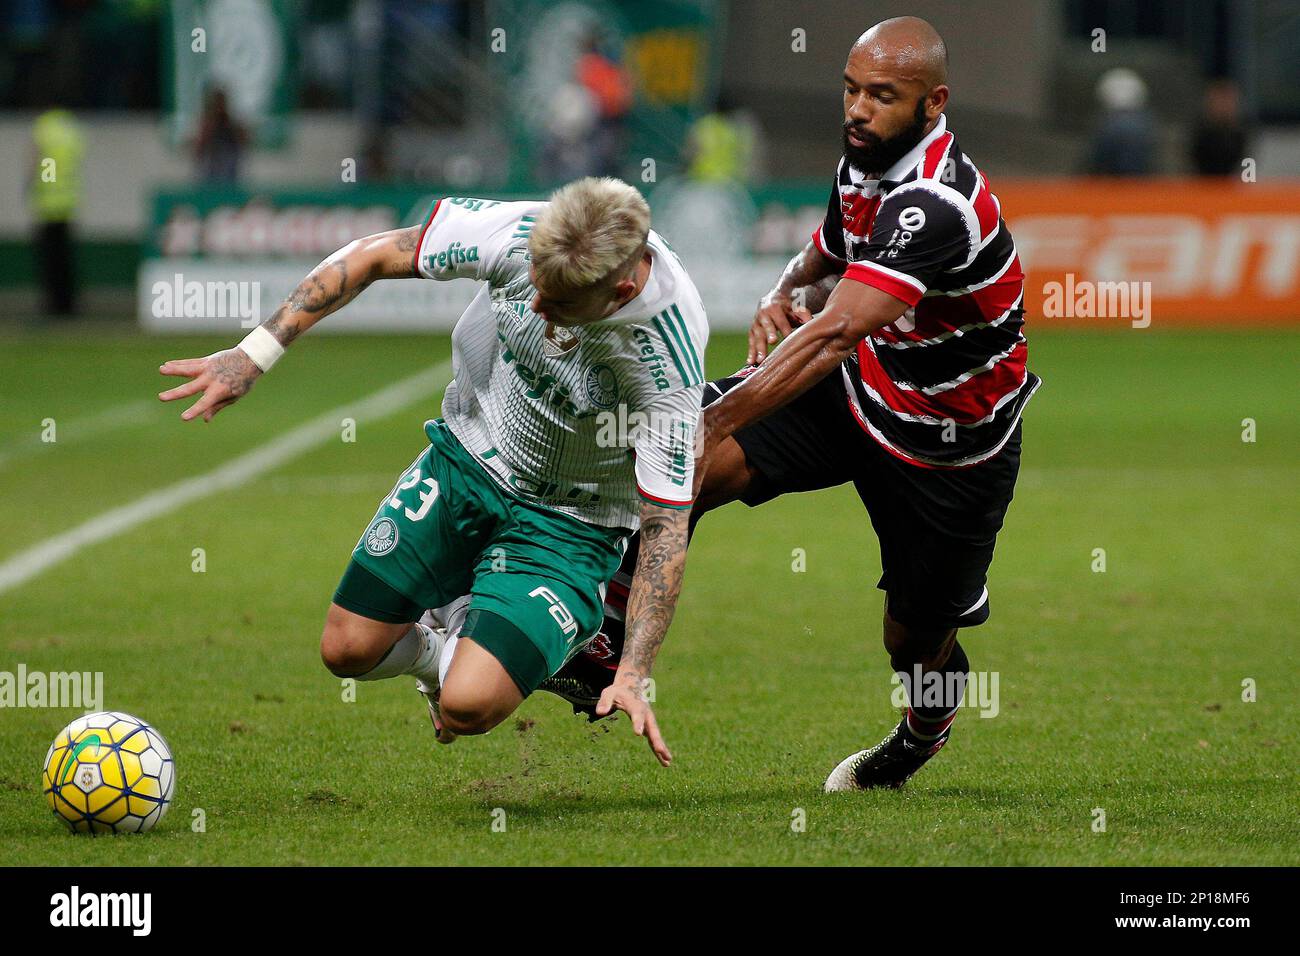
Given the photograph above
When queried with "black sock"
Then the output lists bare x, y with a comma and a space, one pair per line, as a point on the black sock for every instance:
933, 706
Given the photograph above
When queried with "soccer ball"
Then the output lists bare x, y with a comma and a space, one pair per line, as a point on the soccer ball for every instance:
109, 773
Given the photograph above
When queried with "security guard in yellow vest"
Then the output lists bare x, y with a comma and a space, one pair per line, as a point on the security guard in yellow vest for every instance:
721, 147
54, 194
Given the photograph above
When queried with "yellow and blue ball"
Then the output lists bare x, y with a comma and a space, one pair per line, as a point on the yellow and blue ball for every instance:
109, 773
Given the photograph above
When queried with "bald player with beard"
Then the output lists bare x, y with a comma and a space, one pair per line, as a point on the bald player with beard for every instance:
909, 382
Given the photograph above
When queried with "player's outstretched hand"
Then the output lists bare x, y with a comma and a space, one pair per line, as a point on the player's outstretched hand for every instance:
777, 317
626, 695
222, 378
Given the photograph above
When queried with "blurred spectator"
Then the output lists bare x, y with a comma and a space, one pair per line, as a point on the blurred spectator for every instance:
325, 54
568, 135
1124, 143
610, 88
220, 141
723, 145
54, 193
1219, 140
376, 166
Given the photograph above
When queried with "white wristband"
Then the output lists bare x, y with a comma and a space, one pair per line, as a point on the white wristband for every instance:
262, 347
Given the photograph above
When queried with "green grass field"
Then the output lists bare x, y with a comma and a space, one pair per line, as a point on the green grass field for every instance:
1119, 690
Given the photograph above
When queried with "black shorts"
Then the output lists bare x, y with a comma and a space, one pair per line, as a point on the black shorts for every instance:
936, 526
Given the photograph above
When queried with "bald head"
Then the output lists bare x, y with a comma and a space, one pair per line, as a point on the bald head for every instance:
895, 90
908, 47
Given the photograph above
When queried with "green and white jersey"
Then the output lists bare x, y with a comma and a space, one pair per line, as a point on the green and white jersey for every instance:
588, 421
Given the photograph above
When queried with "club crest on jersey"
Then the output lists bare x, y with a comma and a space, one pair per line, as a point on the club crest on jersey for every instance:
557, 340
382, 537
602, 386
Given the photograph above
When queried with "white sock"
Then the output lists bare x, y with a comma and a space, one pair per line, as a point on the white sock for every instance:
416, 652
451, 617
444, 663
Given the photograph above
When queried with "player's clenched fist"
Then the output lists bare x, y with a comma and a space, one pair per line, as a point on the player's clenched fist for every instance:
222, 378
777, 317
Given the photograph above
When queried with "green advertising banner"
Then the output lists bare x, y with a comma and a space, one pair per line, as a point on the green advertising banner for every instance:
244, 47
261, 243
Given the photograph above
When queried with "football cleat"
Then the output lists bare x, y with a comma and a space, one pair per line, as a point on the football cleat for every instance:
889, 763
584, 677
431, 694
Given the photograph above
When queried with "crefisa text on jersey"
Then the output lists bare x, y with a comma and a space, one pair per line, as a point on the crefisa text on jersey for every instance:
75, 909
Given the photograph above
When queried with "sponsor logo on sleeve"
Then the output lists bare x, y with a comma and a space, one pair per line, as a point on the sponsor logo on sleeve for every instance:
454, 255
651, 359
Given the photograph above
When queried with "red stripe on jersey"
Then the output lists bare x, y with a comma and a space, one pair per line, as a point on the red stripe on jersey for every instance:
995, 299
969, 402
867, 273
934, 154
938, 314
432, 212
858, 213
666, 502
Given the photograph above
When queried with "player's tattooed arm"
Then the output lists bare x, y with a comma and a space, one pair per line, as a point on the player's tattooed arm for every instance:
224, 377
342, 277
656, 583
798, 292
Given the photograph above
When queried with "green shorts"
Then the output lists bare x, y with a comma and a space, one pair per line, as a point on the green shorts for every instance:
536, 577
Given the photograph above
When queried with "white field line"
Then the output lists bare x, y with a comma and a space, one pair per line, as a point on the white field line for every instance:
25, 565
109, 419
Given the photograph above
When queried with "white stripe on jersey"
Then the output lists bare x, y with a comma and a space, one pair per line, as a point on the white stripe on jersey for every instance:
976, 286
892, 273
951, 333
875, 432
933, 420
963, 377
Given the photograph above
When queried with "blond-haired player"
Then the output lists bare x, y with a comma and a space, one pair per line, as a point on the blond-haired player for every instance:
579, 371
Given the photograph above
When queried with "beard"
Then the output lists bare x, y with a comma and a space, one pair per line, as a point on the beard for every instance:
879, 154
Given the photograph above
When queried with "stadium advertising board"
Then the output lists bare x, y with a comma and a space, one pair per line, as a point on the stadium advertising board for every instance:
1096, 253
